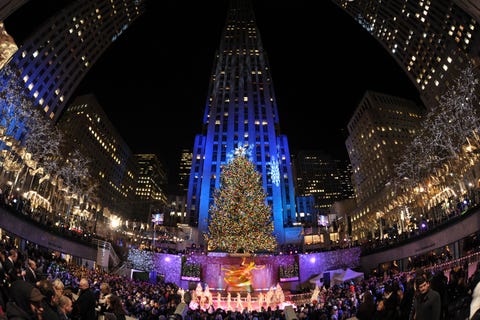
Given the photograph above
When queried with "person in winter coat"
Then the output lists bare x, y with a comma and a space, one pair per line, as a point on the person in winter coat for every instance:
26, 302
84, 306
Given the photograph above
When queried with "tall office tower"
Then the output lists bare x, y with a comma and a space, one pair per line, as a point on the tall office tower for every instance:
345, 176
241, 111
379, 130
431, 40
55, 59
88, 129
320, 175
151, 185
184, 167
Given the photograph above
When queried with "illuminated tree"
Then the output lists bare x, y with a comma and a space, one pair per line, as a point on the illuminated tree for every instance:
15, 108
240, 219
15, 105
446, 129
74, 177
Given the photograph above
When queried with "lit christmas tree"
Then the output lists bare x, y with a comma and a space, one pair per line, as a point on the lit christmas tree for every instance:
240, 219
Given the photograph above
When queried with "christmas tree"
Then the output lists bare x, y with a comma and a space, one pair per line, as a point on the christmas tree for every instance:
240, 219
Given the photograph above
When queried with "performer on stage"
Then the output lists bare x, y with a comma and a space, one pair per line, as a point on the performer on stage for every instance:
239, 302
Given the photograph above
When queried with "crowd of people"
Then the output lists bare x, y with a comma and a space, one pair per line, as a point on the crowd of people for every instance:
36, 284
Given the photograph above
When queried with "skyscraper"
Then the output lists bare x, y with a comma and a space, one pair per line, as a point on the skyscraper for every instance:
431, 40
88, 129
380, 128
184, 166
151, 185
57, 57
322, 176
241, 111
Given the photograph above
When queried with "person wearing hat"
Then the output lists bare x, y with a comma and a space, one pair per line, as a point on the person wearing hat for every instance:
26, 302
427, 304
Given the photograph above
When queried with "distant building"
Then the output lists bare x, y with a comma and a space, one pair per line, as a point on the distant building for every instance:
88, 128
341, 230
241, 111
184, 167
176, 210
379, 131
307, 213
326, 179
150, 187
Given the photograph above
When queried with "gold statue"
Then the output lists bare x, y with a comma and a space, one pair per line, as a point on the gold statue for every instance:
241, 276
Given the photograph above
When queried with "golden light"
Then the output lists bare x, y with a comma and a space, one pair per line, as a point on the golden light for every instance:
115, 222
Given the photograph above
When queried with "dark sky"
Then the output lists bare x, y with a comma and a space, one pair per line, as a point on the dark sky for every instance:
153, 81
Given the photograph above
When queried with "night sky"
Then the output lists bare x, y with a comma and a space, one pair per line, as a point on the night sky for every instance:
153, 81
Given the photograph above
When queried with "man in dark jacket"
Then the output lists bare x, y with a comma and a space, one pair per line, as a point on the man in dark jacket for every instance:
12, 269
84, 306
31, 272
427, 304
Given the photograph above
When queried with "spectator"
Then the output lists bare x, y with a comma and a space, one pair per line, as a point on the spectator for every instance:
50, 303
114, 305
12, 269
406, 298
59, 287
65, 306
366, 309
105, 290
84, 306
26, 302
427, 302
474, 313
391, 301
31, 272
3, 282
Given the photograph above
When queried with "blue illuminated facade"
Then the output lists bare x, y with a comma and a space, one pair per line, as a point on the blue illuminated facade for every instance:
55, 59
241, 111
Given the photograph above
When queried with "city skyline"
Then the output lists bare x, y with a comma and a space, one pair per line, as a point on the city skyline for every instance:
327, 75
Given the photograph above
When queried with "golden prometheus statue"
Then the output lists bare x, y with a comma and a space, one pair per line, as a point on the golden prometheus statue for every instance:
241, 276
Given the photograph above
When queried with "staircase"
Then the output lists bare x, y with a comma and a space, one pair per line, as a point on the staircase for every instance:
105, 254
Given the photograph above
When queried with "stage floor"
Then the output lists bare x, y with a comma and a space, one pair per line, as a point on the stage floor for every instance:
239, 301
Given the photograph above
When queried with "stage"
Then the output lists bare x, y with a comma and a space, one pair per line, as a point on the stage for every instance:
207, 299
